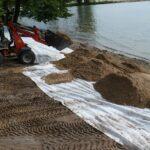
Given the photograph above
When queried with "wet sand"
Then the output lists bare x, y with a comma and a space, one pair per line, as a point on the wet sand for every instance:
29, 119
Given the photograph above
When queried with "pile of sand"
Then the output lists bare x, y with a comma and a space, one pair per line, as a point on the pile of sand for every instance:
92, 70
118, 78
125, 90
118, 89
56, 78
84, 64
76, 57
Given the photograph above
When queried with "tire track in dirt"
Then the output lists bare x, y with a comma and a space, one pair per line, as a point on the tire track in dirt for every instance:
31, 120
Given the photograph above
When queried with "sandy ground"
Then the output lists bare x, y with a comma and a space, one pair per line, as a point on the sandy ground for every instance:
31, 120
118, 78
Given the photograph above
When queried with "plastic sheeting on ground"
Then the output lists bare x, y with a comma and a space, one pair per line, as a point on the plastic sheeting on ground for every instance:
127, 125
43, 52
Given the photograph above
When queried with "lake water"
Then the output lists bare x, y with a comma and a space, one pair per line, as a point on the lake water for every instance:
124, 27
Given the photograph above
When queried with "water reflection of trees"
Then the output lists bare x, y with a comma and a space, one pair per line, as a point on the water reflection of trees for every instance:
86, 21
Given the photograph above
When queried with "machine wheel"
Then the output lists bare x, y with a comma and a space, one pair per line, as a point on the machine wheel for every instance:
27, 57
1, 59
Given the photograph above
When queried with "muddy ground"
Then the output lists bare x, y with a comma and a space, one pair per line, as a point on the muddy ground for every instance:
119, 79
30, 120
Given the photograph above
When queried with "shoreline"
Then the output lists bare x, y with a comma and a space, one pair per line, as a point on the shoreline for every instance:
113, 50
105, 2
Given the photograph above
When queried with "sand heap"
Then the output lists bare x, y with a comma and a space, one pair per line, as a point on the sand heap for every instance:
119, 79
118, 89
56, 78
84, 64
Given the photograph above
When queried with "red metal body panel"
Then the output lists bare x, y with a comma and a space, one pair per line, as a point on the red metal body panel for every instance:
35, 33
19, 44
16, 33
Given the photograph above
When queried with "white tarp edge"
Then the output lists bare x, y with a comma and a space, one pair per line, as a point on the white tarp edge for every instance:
127, 125
43, 52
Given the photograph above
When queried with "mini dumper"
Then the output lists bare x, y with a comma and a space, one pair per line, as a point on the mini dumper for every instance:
21, 50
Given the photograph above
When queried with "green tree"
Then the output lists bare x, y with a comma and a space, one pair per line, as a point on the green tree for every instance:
45, 9
1, 8
41, 10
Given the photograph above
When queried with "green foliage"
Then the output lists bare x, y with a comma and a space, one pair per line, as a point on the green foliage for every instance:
45, 10
1, 10
41, 10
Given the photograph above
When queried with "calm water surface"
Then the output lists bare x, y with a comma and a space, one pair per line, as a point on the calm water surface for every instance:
124, 27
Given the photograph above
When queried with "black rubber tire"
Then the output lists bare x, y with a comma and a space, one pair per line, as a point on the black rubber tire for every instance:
26, 57
1, 59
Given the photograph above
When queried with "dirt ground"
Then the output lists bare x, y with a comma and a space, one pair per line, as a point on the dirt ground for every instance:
30, 120
118, 78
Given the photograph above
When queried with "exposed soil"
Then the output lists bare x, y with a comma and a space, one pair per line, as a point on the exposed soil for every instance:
84, 64
56, 78
119, 89
30, 120
119, 79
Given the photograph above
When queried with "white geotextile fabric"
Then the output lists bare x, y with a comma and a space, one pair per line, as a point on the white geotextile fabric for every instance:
127, 125
66, 50
43, 52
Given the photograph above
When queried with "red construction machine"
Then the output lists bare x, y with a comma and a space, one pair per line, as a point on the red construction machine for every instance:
16, 46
